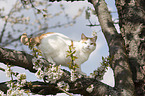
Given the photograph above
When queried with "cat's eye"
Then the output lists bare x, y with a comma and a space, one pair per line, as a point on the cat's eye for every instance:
92, 43
85, 42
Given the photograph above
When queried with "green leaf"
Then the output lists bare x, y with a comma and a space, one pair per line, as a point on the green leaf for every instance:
45, 10
70, 66
38, 11
74, 52
44, 15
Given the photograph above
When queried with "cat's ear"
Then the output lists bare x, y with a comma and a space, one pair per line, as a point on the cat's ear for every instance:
83, 37
94, 38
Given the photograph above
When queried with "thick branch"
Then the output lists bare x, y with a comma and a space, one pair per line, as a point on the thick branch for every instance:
105, 19
77, 87
22, 59
16, 58
120, 65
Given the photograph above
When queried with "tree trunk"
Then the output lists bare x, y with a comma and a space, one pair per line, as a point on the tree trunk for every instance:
119, 64
132, 26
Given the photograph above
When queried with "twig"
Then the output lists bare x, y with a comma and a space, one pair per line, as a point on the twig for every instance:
6, 21
2, 69
13, 73
3, 30
92, 25
65, 91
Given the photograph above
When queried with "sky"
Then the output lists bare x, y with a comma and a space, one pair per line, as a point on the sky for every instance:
74, 32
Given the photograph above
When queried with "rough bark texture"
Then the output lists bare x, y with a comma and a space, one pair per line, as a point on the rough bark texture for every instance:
120, 64
132, 25
16, 58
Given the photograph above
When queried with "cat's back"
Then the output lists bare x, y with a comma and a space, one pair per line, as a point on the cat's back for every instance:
53, 35
53, 41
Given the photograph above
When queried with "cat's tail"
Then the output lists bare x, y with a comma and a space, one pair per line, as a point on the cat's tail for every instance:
31, 42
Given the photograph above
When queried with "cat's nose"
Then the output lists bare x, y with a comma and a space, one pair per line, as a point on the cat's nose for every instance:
88, 47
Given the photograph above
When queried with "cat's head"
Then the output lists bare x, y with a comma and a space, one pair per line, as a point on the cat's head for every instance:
88, 44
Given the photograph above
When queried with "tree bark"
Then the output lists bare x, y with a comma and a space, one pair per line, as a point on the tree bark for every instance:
24, 60
132, 26
119, 64
77, 87
16, 58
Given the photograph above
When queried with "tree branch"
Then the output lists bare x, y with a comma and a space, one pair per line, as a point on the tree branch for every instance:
105, 19
77, 87
16, 58
22, 59
120, 65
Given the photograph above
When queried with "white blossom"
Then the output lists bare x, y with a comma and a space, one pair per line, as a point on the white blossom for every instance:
8, 72
2, 93
73, 77
10, 84
54, 73
90, 88
51, 71
21, 76
23, 82
21, 79
63, 85
15, 92
39, 74
37, 64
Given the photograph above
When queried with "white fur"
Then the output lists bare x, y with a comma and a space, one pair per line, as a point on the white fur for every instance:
54, 47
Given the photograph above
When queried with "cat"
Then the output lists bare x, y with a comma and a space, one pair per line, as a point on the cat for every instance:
54, 47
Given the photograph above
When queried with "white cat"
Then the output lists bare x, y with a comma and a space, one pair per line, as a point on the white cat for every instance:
54, 47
